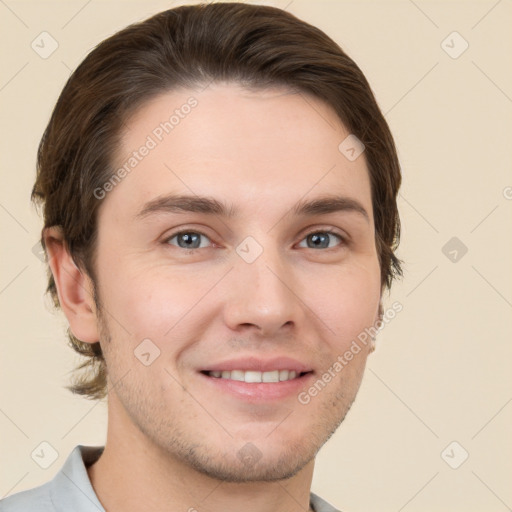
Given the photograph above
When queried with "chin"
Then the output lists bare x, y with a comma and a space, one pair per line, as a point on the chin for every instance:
249, 464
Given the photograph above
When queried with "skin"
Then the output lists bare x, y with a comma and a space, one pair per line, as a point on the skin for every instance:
173, 441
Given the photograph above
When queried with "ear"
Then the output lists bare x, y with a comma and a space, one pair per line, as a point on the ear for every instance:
74, 287
380, 312
378, 316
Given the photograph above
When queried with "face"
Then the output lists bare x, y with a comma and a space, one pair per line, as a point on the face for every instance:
221, 314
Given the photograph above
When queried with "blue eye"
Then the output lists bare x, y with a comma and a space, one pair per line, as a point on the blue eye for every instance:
321, 239
188, 239
316, 239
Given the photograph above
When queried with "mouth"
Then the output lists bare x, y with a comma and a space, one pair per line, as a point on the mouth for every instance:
256, 380
252, 376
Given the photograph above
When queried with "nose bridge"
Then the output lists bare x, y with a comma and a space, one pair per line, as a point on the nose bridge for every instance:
261, 287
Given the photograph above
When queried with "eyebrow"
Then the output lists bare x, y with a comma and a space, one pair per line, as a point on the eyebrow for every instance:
211, 206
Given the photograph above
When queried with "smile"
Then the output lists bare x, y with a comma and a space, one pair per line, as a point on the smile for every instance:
252, 376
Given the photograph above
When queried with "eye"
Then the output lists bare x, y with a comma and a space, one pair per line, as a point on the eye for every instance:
187, 239
321, 239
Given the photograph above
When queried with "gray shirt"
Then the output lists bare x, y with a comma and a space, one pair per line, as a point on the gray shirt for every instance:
71, 489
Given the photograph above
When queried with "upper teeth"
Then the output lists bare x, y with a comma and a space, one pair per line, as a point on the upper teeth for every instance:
253, 376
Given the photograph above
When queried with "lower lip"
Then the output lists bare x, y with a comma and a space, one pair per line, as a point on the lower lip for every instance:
259, 391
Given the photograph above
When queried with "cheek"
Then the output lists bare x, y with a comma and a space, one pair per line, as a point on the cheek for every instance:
149, 308
349, 302
151, 303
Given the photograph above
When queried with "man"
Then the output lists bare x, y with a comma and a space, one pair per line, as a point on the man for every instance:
219, 192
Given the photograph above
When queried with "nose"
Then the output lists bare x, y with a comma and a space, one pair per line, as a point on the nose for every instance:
263, 295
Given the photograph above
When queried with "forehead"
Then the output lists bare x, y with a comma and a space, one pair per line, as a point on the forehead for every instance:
264, 149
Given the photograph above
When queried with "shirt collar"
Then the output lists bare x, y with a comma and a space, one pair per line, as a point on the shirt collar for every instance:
71, 485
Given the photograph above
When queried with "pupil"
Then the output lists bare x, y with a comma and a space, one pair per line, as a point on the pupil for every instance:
317, 239
189, 239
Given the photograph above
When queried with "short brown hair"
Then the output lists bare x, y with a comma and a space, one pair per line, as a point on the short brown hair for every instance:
253, 45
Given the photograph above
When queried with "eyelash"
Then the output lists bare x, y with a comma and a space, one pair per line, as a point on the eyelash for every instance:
343, 240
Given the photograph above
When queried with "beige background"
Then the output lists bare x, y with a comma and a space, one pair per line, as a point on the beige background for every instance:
442, 369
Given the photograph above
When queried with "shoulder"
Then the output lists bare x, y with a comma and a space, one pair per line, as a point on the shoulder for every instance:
320, 505
70, 488
37, 499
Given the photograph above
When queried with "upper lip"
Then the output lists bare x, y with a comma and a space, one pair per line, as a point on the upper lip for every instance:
260, 365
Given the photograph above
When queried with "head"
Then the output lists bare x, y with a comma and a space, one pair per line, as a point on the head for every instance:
248, 111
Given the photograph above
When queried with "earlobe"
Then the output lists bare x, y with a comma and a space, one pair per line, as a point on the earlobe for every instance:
74, 287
